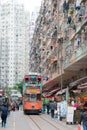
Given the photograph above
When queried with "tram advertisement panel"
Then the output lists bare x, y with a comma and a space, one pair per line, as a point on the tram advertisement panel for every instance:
32, 90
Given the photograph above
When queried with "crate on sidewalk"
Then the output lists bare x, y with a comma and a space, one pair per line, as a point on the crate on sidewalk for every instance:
77, 116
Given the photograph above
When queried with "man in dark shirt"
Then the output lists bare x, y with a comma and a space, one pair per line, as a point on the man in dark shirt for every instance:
53, 107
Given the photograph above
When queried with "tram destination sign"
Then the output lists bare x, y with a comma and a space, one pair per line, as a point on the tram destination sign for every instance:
32, 90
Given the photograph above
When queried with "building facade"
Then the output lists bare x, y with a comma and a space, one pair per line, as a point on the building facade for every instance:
27, 41
12, 43
32, 24
61, 40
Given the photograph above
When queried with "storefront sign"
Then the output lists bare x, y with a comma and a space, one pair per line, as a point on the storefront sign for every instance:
70, 114
63, 108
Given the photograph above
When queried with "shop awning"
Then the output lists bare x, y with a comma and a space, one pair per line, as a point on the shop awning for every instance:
82, 87
51, 93
49, 88
77, 81
44, 94
48, 96
76, 91
54, 91
61, 92
83, 84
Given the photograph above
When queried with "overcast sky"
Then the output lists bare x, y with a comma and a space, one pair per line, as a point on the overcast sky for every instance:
30, 4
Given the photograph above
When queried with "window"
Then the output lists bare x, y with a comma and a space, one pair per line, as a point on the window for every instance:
54, 66
38, 97
33, 97
30, 97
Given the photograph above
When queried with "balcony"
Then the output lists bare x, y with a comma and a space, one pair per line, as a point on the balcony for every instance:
82, 51
55, 74
81, 25
52, 80
77, 60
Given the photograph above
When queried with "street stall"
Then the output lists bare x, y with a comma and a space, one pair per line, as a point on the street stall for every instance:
83, 94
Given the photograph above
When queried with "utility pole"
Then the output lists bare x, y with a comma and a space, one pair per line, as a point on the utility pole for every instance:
61, 60
60, 44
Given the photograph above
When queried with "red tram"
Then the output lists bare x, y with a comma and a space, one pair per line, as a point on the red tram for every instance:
32, 90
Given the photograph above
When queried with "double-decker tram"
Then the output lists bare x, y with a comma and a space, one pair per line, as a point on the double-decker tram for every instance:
32, 90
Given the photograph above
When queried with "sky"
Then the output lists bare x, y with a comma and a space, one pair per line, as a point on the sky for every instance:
30, 4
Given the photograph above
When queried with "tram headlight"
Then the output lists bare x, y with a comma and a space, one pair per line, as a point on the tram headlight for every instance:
32, 106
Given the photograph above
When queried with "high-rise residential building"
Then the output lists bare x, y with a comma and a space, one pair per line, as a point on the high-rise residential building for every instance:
32, 24
27, 41
60, 37
12, 43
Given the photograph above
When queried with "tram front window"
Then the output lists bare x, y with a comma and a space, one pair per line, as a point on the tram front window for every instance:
27, 97
32, 81
39, 80
33, 98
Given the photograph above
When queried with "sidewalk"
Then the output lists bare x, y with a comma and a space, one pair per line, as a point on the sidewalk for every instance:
16, 121
9, 123
13, 122
63, 123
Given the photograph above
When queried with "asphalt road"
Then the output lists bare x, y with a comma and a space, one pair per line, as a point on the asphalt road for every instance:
18, 121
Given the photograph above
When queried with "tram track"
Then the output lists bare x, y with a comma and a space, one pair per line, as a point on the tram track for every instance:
52, 123
35, 122
39, 121
59, 123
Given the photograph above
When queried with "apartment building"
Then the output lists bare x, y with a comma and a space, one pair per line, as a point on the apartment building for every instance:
32, 24
60, 37
27, 41
12, 43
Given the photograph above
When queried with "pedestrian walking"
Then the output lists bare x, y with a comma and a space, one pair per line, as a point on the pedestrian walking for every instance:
43, 105
48, 107
4, 113
84, 117
84, 120
47, 104
53, 107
